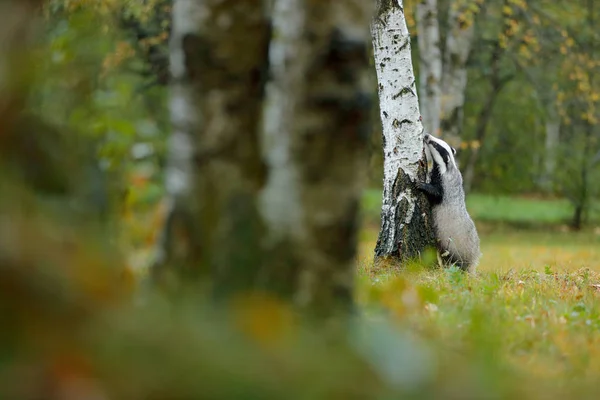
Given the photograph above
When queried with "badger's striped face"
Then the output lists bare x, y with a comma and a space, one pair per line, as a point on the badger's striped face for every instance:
439, 152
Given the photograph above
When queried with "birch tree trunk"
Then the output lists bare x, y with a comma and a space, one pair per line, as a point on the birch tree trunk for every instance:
430, 61
483, 119
315, 138
405, 213
458, 45
218, 53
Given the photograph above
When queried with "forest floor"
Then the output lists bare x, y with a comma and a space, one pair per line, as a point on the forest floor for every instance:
534, 302
526, 326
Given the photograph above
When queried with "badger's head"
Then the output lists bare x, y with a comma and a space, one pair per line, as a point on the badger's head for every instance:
440, 154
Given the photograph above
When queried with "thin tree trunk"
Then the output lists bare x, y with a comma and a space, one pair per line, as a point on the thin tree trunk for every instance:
315, 137
547, 100
458, 45
430, 61
218, 55
552, 128
497, 83
483, 119
583, 197
405, 213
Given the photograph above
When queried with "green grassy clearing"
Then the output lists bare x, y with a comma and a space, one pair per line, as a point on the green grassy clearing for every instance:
543, 325
534, 306
505, 247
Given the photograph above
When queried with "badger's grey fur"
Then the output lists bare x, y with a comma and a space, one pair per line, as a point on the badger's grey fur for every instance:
457, 239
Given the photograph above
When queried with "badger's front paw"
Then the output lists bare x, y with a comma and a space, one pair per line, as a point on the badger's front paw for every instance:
432, 192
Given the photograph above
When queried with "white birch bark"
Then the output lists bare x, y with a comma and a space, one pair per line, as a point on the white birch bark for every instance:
430, 64
402, 215
217, 54
280, 199
315, 119
459, 41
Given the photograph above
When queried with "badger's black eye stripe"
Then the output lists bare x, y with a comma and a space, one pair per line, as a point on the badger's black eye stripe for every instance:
443, 152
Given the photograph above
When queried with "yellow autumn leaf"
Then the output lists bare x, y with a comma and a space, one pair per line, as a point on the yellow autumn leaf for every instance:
570, 42
263, 318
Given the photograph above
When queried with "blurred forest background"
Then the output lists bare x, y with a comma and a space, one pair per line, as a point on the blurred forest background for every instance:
529, 118
527, 327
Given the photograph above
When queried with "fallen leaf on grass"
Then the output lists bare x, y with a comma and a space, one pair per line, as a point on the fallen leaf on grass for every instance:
431, 307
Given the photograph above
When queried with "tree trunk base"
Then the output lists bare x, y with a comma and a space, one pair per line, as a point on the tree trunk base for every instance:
413, 240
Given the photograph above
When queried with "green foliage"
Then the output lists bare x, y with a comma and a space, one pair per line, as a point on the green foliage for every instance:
515, 129
90, 84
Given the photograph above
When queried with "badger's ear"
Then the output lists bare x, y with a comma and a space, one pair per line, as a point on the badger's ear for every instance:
453, 151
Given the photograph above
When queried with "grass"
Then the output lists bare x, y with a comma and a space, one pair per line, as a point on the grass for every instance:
533, 307
543, 325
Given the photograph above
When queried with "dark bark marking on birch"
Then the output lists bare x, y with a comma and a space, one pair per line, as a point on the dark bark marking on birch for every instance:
261, 73
197, 56
405, 91
383, 6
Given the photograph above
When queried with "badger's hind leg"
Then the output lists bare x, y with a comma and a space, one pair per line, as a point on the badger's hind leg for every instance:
445, 260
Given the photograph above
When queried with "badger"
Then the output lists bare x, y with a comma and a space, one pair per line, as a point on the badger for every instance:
456, 235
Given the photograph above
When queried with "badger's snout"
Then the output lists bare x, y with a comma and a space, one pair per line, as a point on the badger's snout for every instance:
426, 138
